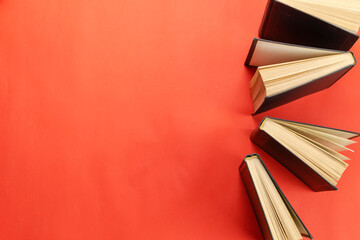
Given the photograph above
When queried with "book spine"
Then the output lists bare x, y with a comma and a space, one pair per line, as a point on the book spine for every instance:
265, 18
290, 161
255, 201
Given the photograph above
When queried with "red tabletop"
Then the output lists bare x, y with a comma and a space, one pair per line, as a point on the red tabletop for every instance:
129, 119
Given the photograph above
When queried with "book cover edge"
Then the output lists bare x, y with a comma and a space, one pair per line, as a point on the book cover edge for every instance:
266, 16
251, 52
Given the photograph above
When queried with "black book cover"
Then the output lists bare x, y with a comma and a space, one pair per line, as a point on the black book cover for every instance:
290, 161
287, 24
302, 91
255, 201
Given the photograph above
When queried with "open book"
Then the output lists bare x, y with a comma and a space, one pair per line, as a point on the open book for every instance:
287, 72
276, 217
310, 152
320, 23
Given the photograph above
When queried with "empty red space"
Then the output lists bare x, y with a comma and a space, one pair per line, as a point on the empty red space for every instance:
129, 119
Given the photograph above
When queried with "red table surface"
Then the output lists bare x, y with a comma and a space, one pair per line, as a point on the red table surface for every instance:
129, 119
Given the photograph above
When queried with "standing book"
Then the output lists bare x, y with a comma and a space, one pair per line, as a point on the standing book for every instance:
309, 151
287, 72
327, 24
276, 217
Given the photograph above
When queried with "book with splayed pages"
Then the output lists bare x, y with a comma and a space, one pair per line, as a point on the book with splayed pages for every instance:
309, 151
287, 72
276, 217
329, 24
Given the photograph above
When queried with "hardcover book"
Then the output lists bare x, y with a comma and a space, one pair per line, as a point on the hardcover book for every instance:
328, 24
287, 72
276, 217
310, 152
267, 52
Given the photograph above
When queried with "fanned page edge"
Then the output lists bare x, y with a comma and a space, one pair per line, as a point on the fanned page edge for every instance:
287, 203
316, 188
356, 134
297, 93
282, 195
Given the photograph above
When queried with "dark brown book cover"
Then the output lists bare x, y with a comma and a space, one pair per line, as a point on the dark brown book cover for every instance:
290, 161
255, 201
314, 86
287, 24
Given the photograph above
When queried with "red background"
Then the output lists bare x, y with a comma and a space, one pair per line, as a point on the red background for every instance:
129, 119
